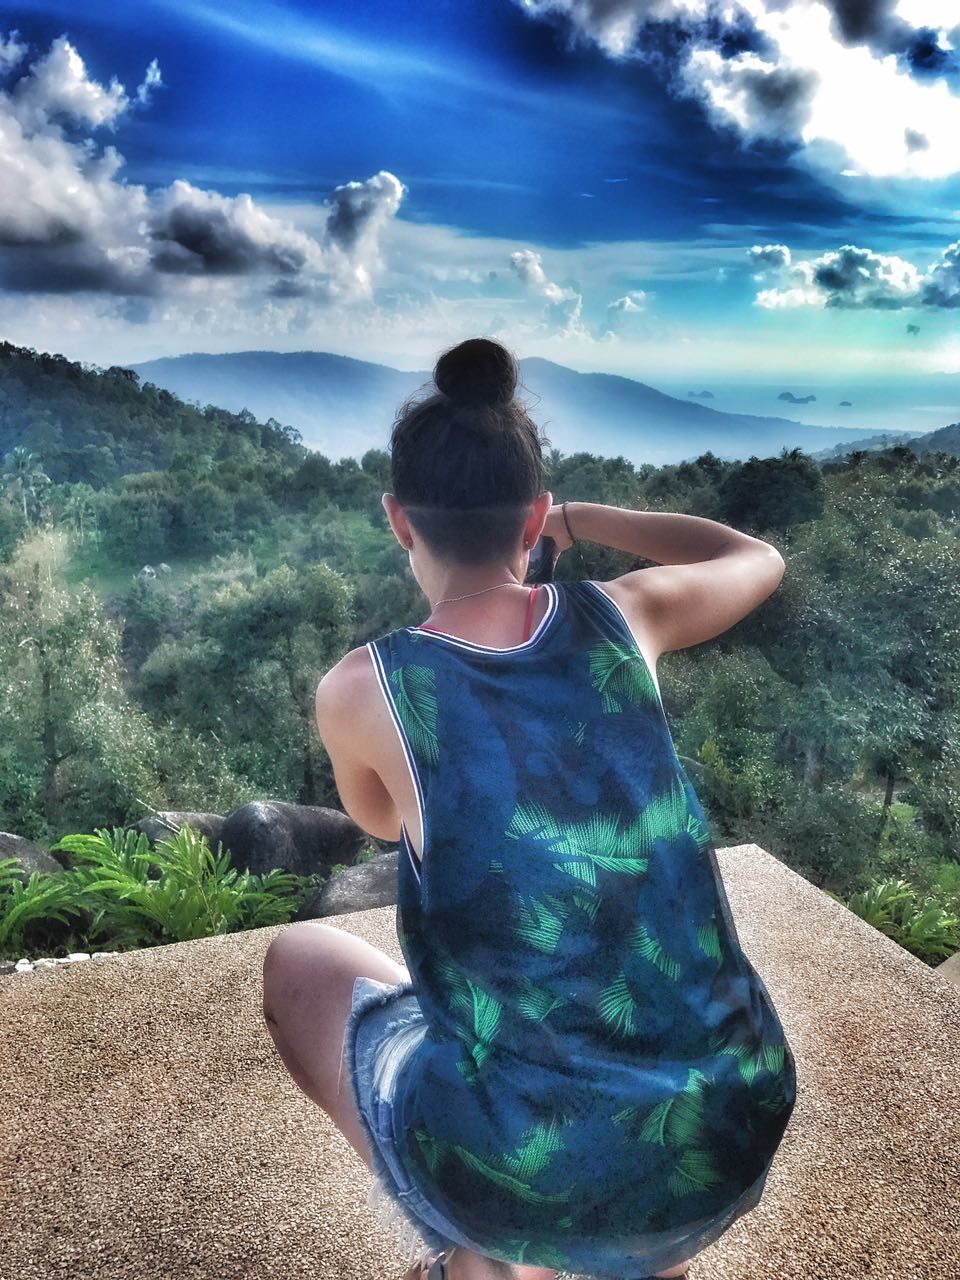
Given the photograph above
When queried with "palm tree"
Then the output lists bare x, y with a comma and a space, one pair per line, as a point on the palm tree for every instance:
22, 473
552, 460
79, 507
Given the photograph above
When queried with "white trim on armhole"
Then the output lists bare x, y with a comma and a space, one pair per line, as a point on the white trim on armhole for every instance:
651, 669
407, 755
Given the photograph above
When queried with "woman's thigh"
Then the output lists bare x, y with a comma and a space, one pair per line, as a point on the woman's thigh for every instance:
308, 975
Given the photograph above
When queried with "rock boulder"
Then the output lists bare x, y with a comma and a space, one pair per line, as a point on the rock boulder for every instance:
302, 839
31, 855
163, 825
360, 888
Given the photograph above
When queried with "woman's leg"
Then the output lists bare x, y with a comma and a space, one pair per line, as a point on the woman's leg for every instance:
308, 975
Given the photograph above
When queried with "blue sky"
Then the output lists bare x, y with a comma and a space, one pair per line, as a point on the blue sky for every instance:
679, 188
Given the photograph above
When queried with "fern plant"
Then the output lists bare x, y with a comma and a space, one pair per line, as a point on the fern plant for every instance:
43, 897
197, 895
922, 926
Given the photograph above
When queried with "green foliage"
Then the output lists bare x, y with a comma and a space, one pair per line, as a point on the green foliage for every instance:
946, 881
771, 495
73, 741
95, 425
241, 663
41, 899
922, 926
196, 895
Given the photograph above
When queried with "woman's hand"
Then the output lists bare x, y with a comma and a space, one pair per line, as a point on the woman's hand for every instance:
555, 527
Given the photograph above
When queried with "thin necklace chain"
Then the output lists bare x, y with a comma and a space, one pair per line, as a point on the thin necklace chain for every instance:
452, 599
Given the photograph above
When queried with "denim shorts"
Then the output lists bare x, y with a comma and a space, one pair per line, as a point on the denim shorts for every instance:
385, 1025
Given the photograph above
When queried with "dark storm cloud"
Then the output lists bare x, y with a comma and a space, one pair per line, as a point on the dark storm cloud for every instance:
865, 21
942, 285
876, 24
770, 255
74, 268
842, 275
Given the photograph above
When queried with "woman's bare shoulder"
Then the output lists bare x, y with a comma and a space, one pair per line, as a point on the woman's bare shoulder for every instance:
352, 678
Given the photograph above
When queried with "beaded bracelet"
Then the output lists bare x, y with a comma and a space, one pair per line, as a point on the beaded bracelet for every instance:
563, 509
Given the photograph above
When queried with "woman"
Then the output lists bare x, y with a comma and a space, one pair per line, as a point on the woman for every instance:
579, 1070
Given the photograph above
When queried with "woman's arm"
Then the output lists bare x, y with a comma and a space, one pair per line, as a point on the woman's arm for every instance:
706, 579
341, 700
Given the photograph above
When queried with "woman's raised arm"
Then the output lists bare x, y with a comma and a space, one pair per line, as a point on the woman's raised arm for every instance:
707, 576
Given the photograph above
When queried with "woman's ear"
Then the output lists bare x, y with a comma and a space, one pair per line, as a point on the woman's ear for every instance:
538, 518
398, 521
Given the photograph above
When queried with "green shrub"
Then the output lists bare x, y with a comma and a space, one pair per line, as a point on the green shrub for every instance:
23, 906
195, 893
921, 925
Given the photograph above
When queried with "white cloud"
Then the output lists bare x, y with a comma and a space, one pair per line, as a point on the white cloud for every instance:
866, 109
57, 85
563, 313
762, 98
854, 278
937, 15
12, 51
629, 303
620, 312
151, 81
68, 222
838, 80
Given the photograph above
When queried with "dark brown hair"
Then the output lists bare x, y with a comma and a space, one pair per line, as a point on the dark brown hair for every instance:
466, 461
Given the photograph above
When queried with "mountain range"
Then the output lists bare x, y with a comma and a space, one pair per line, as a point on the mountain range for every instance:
342, 406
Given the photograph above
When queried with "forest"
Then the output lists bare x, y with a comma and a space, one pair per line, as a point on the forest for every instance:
175, 579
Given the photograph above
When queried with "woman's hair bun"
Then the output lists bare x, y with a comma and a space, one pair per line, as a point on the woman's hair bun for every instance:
478, 371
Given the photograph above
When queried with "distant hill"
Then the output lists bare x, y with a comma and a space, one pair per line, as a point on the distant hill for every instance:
95, 425
918, 441
342, 406
946, 440
339, 405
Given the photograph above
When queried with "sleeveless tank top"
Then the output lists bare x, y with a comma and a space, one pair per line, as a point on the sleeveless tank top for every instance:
603, 1080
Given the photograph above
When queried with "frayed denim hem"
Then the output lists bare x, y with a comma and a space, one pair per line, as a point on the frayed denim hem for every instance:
414, 1237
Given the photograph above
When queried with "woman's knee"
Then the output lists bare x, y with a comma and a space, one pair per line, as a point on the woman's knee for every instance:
281, 961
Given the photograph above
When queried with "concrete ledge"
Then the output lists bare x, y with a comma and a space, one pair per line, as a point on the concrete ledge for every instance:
151, 1131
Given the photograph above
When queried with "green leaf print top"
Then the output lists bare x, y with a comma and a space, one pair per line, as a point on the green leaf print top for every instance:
604, 1080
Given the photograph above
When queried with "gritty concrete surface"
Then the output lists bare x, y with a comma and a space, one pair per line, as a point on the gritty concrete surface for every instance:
150, 1129
950, 969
